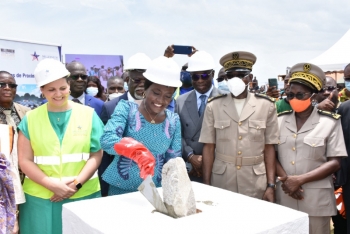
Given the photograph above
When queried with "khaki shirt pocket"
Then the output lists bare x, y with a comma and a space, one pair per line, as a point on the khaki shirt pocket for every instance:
223, 129
259, 169
256, 130
315, 148
219, 167
282, 146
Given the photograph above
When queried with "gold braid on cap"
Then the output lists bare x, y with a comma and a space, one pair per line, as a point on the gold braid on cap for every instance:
238, 63
314, 80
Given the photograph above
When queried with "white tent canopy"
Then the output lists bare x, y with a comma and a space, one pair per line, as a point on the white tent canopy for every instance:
336, 57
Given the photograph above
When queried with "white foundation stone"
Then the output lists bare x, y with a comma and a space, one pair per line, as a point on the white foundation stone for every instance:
177, 189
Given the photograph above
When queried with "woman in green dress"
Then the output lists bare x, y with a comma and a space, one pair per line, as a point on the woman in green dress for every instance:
58, 150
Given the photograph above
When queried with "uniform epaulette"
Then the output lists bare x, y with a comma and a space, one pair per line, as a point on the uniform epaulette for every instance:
265, 96
216, 97
329, 114
284, 112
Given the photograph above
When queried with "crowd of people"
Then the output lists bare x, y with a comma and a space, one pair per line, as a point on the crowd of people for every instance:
285, 146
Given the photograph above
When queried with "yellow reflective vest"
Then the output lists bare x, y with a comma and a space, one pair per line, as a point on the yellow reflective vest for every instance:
61, 162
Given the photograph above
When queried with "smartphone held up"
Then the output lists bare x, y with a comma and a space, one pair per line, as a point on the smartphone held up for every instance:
179, 49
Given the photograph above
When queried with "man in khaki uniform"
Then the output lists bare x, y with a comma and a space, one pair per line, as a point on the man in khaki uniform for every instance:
310, 147
239, 132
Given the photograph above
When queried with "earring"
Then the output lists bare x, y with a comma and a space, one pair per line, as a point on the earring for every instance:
69, 92
143, 95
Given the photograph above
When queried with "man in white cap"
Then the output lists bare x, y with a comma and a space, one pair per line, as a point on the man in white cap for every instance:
239, 132
190, 107
136, 66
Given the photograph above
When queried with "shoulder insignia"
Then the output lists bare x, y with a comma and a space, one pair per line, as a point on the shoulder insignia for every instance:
284, 112
265, 96
329, 114
217, 97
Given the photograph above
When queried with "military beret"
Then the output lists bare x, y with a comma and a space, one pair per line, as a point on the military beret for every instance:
309, 75
238, 59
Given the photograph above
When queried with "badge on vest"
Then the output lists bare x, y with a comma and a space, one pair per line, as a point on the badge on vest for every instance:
79, 131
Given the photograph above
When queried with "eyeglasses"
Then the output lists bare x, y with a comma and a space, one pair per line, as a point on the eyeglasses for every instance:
203, 76
118, 88
237, 74
220, 79
329, 88
137, 81
298, 96
4, 85
76, 77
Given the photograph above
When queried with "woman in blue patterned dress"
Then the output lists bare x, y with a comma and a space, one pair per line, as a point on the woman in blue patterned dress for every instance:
149, 123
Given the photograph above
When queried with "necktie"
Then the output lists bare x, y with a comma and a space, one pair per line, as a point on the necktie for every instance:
76, 100
202, 106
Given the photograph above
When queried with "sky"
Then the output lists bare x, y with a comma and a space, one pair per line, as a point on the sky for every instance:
280, 33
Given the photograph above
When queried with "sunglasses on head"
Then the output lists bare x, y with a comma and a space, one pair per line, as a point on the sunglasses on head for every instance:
76, 77
329, 88
203, 76
299, 96
4, 85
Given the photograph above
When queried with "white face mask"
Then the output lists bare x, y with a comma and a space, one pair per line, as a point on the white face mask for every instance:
126, 87
92, 91
114, 95
236, 86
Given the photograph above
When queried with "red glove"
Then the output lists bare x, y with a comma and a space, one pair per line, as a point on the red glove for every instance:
136, 151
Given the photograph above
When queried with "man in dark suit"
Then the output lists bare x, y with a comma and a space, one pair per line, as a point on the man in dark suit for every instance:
78, 83
190, 107
136, 66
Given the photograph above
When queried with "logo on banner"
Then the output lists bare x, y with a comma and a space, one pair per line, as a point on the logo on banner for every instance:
35, 56
8, 53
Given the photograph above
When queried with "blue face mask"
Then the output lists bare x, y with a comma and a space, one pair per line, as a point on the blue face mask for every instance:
347, 85
186, 78
223, 86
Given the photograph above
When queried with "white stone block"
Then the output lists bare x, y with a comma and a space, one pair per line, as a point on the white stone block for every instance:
177, 189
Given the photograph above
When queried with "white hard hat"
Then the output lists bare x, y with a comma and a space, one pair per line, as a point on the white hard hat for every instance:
164, 71
200, 61
49, 70
137, 61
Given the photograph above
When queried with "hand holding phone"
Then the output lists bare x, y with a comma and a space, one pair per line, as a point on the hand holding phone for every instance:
171, 50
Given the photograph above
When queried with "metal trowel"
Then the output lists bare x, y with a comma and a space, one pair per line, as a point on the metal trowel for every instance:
149, 190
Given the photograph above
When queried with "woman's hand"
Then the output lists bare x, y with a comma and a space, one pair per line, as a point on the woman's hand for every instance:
62, 190
16, 227
291, 184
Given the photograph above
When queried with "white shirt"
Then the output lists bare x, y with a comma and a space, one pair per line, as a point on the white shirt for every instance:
81, 98
239, 104
130, 98
207, 94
